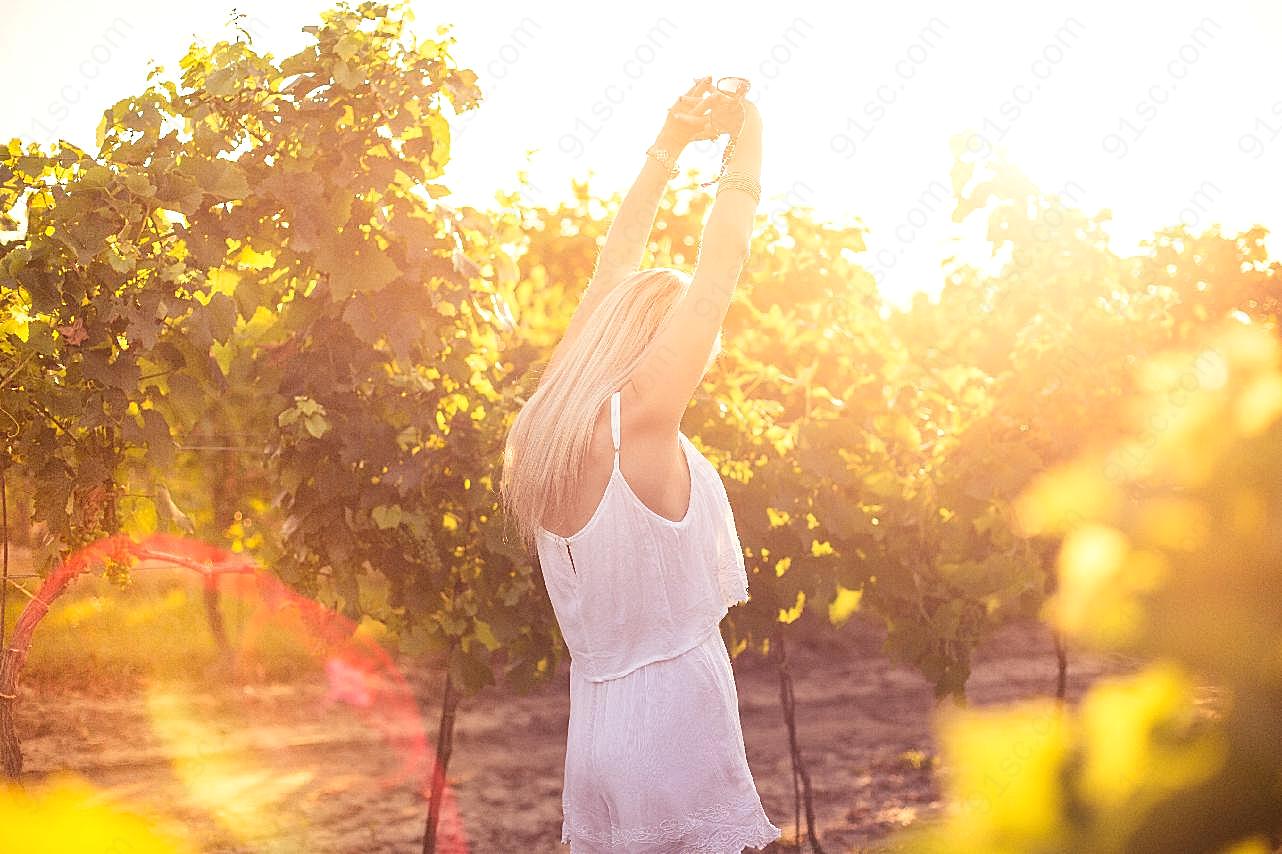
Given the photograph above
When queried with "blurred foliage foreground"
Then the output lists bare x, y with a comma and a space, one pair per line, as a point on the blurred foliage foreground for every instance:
1171, 551
252, 316
65, 814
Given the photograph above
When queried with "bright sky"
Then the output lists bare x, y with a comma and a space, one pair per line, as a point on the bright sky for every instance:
1163, 112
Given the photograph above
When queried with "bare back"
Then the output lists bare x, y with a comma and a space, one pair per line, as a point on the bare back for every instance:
650, 460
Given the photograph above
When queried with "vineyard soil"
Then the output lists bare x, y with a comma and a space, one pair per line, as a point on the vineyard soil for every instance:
281, 768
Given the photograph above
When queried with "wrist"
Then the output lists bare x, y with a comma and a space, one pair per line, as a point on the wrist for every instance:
670, 142
665, 157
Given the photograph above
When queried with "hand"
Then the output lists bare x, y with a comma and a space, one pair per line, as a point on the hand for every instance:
729, 113
690, 117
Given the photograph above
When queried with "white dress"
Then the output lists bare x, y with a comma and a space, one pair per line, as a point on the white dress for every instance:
655, 759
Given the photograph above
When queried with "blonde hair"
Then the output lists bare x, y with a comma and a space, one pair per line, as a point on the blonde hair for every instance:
548, 441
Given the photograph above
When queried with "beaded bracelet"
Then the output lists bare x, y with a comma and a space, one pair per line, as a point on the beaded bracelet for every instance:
663, 156
740, 181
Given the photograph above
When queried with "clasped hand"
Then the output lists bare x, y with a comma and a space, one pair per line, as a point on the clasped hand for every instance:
703, 112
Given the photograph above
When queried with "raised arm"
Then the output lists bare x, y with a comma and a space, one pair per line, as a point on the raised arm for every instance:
625, 241
667, 377
626, 238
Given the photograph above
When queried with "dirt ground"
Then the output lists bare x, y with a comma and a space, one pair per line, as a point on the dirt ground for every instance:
284, 768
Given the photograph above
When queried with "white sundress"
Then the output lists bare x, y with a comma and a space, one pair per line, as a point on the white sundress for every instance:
655, 760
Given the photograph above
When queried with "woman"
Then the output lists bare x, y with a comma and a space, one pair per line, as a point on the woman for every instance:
632, 525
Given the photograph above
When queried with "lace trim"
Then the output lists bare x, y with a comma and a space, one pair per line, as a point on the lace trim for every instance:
732, 579
732, 571
725, 828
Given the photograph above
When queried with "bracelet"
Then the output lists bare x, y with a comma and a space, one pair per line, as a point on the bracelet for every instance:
741, 181
663, 156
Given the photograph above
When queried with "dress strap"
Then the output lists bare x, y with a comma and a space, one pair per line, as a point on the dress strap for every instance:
614, 421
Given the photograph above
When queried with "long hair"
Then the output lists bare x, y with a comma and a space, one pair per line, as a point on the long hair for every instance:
549, 439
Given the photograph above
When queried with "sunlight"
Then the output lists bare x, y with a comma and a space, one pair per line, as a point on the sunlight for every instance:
222, 777
964, 320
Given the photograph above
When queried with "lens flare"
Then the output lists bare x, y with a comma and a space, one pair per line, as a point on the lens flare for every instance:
228, 763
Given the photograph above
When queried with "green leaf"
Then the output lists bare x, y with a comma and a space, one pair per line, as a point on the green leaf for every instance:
222, 82
222, 179
205, 241
347, 46
87, 236
355, 265
97, 177
138, 184
161, 449
485, 635
316, 425
469, 671
346, 76
177, 191
386, 516
186, 397
374, 589
221, 313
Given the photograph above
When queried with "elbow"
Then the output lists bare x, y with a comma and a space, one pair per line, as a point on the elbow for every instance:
738, 253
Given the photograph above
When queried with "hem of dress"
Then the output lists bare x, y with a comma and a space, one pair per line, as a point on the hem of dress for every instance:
763, 835
715, 626
757, 835
760, 836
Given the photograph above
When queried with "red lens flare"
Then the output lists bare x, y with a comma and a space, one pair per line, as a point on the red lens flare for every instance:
358, 672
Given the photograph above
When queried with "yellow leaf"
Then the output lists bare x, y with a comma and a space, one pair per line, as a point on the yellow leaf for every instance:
371, 629
1064, 497
844, 605
17, 324
1005, 767
223, 280
347, 46
1121, 722
249, 259
429, 49
344, 75
821, 548
790, 615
